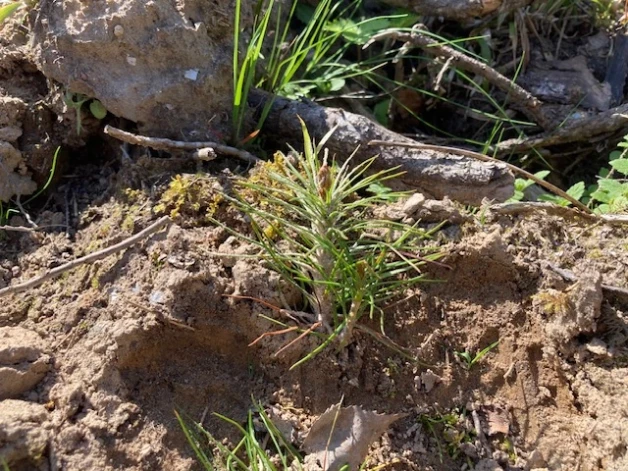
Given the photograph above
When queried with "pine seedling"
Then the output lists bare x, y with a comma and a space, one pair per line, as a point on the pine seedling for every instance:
324, 241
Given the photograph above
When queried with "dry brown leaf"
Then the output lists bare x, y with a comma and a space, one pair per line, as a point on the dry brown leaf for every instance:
343, 435
496, 419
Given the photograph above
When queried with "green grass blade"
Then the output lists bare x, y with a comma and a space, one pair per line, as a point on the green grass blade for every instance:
7, 10
192, 440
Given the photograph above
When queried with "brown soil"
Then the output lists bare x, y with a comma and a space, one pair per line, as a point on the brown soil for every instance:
137, 335
94, 364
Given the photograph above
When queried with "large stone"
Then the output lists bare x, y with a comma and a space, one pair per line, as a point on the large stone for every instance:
165, 64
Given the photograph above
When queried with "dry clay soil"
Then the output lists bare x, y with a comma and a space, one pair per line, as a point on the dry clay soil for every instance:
94, 363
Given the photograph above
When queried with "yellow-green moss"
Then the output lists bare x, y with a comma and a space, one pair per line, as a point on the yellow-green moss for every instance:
190, 196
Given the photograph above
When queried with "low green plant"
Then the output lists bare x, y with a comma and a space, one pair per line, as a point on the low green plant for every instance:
448, 429
608, 195
313, 62
7, 210
469, 361
250, 453
325, 241
76, 102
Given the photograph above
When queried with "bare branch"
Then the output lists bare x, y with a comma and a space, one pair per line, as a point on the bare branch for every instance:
203, 148
574, 130
38, 280
529, 105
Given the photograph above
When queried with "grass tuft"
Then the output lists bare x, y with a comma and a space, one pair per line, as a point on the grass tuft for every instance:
265, 451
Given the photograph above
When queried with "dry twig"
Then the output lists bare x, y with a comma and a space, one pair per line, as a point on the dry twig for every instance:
574, 130
38, 280
568, 275
161, 316
523, 207
529, 104
203, 148
29, 229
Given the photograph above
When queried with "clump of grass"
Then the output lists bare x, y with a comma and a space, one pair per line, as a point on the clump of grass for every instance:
250, 453
324, 241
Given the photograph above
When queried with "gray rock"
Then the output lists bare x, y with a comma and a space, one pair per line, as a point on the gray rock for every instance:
165, 64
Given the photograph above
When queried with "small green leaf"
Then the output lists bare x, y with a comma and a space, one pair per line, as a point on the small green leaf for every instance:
576, 191
614, 188
616, 154
380, 110
466, 356
517, 196
336, 84
621, 165
522, 185
7, 10
620, 204
603, 209
559, 200
97, 109
601, 196
542, 174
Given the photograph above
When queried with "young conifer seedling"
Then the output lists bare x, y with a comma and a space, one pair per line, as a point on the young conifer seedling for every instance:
313, 221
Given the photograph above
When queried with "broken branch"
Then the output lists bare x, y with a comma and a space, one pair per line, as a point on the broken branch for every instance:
38, 280
434, 173
529, 104
574, 130
159, 143
486, 158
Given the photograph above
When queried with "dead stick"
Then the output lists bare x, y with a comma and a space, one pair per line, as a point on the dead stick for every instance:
525, 207
568, 275
530, 105
574, 130
160, 143
477, 424
38, 280
28, 229
486, 158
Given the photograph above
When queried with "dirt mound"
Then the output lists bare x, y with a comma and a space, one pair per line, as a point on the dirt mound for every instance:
110, 350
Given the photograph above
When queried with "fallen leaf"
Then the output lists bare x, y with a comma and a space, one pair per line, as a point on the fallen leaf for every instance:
343, 435
496, 419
